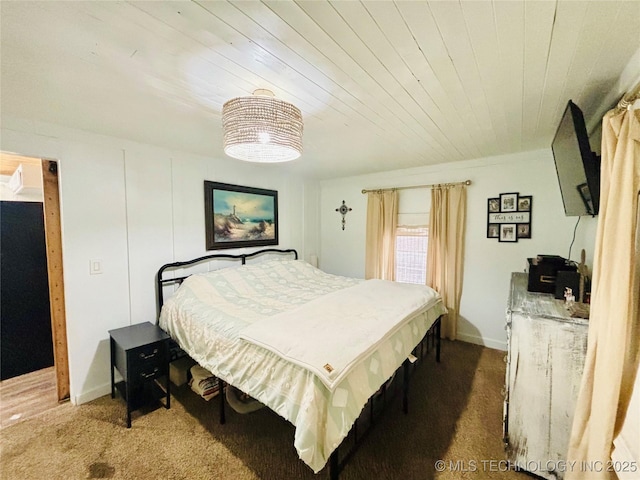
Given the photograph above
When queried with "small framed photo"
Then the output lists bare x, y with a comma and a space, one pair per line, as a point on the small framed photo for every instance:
494, 205
493, 230
524, 203
508, 202
524, 230
508, 232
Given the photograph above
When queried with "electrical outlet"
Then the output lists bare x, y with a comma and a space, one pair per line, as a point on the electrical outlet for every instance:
95, 266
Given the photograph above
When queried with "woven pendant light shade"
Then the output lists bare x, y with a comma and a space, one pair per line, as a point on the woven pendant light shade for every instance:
262, 128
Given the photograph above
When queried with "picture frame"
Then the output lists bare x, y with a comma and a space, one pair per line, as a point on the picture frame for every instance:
509, 216
238, 216
524, 203
508, 202
508, 232
523, 230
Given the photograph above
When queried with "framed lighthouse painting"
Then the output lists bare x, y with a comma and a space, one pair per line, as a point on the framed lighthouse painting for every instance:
237, 216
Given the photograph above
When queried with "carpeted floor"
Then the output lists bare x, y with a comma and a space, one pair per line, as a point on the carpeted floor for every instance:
455, 415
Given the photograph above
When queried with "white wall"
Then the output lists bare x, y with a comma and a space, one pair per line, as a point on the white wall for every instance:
488, 263
134, 207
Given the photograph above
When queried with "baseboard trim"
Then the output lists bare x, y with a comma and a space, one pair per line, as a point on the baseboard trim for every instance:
485, 342
92, 394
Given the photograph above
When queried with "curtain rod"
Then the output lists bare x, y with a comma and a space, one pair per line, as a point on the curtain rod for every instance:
434, 185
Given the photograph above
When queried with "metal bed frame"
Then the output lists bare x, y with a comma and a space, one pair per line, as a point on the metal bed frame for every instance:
336, 465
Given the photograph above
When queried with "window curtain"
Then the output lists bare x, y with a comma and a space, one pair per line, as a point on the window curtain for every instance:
614, 332
445, 253
382, 219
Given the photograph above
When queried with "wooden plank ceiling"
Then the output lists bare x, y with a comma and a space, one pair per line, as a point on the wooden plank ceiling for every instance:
381, 84
9, 162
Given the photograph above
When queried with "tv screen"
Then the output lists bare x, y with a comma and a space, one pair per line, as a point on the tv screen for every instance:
577, 166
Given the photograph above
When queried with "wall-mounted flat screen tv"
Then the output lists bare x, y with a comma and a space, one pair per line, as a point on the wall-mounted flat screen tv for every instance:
577, 166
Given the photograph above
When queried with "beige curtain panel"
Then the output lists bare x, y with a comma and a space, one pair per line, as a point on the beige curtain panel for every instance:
445, 252
382, 219
612, 353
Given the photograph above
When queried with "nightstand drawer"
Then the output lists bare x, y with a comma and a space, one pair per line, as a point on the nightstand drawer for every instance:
148, 373
154, 354
148, 362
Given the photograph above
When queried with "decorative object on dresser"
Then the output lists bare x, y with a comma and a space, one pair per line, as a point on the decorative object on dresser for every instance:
509, 217
141, 354
546, 350
238, 216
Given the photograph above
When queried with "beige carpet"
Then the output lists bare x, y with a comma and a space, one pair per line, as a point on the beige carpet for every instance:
455, 414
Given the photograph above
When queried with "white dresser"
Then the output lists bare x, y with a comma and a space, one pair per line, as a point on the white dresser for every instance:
545, 357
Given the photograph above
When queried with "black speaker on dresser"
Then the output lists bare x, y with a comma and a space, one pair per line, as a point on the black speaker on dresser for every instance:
543, 272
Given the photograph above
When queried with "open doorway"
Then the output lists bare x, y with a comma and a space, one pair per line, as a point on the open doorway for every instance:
41, 197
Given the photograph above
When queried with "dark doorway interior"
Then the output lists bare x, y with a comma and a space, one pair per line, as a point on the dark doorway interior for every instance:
25, 323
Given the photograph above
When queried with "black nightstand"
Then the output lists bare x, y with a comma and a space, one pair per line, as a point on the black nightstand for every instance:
141, 355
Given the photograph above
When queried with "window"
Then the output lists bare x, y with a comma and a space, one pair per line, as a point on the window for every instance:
411, 254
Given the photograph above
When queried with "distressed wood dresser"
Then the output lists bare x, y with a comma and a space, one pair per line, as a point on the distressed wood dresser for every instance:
545, 356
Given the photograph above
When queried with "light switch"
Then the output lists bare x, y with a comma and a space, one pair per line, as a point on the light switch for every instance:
95, 266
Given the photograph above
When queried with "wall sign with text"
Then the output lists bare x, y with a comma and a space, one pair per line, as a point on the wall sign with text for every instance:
509, 217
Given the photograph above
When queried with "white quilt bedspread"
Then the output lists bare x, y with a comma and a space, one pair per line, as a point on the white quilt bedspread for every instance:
330, 334
210, 312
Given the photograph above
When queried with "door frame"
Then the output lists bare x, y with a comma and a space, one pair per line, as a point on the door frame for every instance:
53, 238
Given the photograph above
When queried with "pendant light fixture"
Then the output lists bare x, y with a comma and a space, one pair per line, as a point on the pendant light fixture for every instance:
262, 128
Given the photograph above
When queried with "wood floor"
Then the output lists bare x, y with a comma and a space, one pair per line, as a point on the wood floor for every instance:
27, 395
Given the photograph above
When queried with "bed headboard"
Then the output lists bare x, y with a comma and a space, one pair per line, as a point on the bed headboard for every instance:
161, 281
